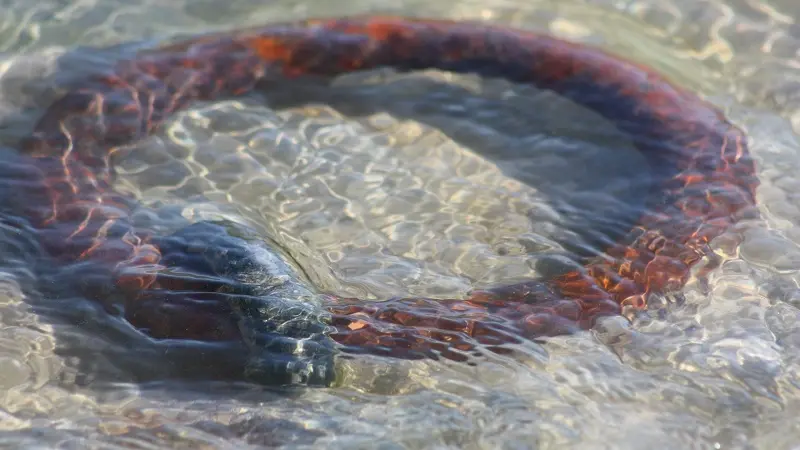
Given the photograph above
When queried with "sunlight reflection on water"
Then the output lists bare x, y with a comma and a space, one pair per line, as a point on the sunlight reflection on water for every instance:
391, 204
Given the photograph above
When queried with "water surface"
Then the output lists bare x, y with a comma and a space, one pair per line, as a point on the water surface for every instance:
424, 184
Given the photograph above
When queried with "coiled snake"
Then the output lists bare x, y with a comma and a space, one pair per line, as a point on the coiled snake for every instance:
711, 185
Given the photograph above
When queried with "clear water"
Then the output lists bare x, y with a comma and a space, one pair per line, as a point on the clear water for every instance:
387, 184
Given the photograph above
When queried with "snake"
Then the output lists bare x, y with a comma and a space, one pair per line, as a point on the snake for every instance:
289, 332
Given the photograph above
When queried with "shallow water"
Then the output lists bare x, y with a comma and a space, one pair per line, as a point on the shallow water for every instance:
385, 185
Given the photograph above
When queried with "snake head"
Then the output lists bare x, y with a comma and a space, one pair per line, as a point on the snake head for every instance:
221, 282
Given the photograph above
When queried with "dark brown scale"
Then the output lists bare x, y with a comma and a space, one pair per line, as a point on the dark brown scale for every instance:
711, 184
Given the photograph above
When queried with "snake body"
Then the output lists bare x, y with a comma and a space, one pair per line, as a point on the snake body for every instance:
711, 182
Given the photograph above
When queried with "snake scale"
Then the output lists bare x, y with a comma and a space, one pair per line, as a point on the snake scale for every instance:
711, 185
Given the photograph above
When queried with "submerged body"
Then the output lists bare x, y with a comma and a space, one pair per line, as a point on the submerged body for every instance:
710, 185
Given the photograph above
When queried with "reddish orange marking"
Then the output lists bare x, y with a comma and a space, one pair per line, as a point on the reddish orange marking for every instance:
713, 184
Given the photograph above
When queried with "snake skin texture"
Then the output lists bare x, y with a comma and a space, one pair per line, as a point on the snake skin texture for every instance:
710, 185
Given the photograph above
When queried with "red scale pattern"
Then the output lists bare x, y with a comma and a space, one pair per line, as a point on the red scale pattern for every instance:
712, 186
